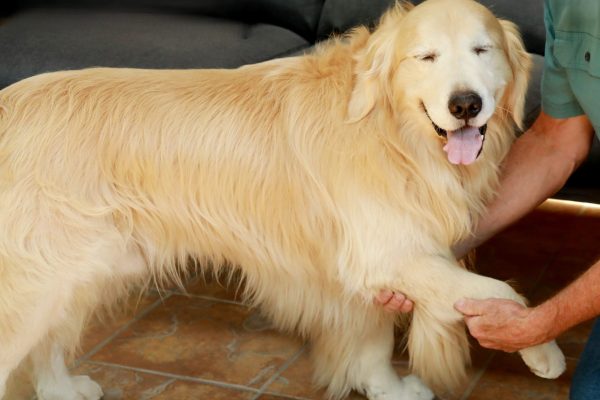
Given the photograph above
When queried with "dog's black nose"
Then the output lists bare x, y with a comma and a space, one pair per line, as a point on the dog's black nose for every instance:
464, 105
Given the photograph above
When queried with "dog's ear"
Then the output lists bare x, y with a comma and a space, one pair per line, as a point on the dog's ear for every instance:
371, 68
374, 64
520, 64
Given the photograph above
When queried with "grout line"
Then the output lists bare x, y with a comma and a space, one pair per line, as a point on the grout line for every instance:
476, 378
281, 369
215, 299
177, 376
122, 329
159, 388
284, 396
204, 297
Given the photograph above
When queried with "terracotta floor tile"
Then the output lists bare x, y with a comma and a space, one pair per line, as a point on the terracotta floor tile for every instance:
19, 385
102, 327
573, 341
507, 378
201, 338
180, 390
222, 287
121, 384
479, 359
297, 381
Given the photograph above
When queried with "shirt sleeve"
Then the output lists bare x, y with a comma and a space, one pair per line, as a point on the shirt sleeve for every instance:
558, 99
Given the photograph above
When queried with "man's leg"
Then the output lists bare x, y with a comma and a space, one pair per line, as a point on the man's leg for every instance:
586, 380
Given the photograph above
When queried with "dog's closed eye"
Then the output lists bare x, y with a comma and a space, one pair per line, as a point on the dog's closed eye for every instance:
428, 57
479, 50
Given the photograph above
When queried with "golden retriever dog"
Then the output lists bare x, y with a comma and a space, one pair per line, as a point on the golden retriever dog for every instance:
323, 178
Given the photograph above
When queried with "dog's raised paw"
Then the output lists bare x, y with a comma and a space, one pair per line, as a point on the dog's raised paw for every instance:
545, 360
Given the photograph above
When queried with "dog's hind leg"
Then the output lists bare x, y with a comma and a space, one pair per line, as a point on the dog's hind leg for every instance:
51, 376
26, 318
358, 355
46, 293
53, 381
3, 379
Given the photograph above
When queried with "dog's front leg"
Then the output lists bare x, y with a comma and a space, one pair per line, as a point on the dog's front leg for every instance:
438, 344
357, 353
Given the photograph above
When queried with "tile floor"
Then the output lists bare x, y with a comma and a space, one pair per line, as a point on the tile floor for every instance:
207, 345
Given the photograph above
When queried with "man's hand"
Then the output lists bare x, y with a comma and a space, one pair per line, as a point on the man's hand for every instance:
394, 302
504, 324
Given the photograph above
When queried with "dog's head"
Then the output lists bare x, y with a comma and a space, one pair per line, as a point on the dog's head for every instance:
453, 63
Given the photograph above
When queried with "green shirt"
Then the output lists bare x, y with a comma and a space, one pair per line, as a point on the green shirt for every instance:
571, 78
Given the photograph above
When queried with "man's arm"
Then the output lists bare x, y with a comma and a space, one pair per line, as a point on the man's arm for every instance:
508, 326
537, 166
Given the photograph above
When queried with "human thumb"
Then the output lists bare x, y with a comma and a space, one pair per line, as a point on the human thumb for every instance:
468, 307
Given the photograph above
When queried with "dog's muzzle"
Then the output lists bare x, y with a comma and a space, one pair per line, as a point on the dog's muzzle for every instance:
463, 145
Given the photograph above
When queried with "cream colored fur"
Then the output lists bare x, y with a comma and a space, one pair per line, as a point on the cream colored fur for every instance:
320, 177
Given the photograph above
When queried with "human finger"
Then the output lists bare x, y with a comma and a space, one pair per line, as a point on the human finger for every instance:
383, 297
399, 303
470, 307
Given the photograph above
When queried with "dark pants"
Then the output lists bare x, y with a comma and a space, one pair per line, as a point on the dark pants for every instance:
586, 381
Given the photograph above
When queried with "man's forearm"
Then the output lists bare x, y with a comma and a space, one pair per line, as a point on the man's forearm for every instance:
578, 302
539, 163
506, 325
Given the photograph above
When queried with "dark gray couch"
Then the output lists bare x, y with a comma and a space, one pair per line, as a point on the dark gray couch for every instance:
46, 35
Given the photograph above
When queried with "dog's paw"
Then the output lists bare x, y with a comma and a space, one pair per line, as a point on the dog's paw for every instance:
545, 360
416, 389
408, 388
74, 388
87, 388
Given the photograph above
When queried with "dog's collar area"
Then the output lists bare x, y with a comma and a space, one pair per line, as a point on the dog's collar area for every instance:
442, 132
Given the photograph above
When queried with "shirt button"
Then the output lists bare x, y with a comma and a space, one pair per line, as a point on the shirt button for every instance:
587, 56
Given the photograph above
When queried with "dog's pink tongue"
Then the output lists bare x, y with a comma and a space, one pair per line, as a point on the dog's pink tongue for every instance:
463, 145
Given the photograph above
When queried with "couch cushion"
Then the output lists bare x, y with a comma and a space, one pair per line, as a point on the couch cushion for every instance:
300, 16
528, 15
340, 15
41, 40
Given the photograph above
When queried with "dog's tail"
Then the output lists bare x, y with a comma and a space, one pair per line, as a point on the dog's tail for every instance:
438, 347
